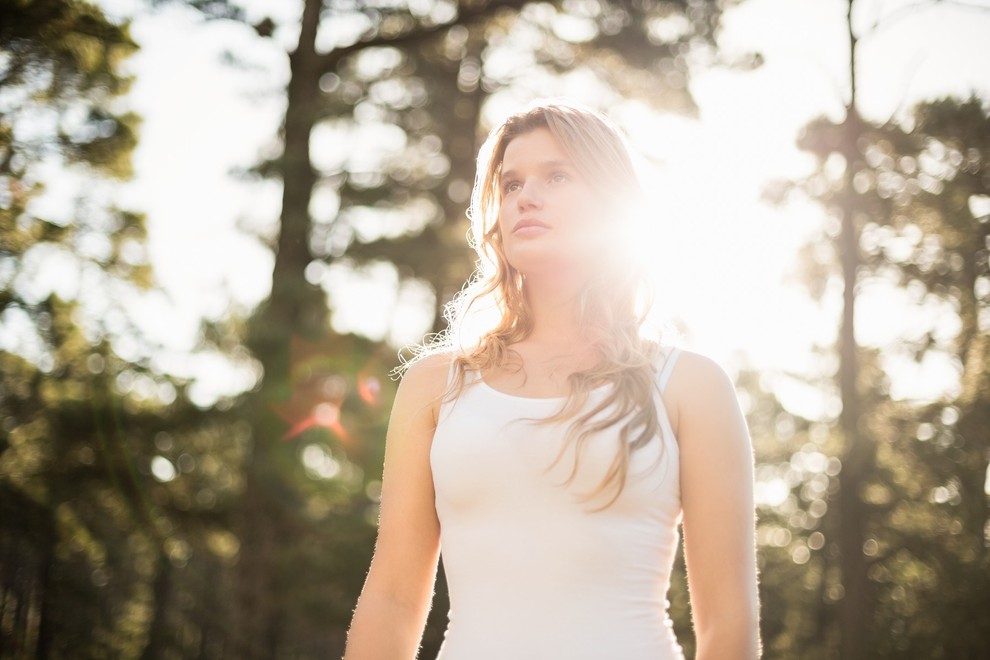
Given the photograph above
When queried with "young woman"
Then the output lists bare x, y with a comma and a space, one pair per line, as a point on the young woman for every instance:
550, 448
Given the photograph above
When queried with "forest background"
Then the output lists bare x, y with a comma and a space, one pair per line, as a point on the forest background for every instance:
220, 222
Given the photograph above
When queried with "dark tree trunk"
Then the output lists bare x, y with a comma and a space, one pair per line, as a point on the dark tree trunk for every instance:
295, 307
858, 449
46, 579
158, 635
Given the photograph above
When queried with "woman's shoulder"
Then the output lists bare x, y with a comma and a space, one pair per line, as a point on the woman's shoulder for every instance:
698, 382
426, 376
429, 368
694, 369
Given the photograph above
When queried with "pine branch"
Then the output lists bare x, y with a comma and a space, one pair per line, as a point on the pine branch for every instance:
329, 61
887, 21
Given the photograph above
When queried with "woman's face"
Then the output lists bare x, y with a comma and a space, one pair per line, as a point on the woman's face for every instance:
549, 214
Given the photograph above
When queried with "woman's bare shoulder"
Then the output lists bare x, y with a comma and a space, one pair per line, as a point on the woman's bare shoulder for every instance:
425, 378
699, 368
704, 399
697, 382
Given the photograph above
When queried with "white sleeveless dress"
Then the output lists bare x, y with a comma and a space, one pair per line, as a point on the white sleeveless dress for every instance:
531, 573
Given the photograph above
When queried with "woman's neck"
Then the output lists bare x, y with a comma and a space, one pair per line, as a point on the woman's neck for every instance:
553, 304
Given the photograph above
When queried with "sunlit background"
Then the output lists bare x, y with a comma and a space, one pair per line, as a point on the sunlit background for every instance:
190, 464
724, 260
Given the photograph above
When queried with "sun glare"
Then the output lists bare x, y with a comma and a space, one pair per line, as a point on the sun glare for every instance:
722, 261
726, 264
719, 257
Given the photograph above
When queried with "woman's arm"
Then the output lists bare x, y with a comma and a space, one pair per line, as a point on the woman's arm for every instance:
391, 612
718, 509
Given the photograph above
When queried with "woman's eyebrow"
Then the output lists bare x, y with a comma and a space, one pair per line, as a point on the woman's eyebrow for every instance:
544, 165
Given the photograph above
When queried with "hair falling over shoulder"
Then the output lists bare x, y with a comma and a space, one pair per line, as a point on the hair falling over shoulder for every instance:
490, 313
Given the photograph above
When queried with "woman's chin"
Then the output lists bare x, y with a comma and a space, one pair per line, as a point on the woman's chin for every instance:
551, 268
533, 260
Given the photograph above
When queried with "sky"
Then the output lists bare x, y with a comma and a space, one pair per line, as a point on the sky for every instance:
726, 262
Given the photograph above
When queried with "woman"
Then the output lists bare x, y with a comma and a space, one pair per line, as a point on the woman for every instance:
549, 447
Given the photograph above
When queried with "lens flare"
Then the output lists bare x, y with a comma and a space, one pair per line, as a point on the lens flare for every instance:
369, 389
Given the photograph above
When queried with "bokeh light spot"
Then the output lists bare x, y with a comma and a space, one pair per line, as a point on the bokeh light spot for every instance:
162, 469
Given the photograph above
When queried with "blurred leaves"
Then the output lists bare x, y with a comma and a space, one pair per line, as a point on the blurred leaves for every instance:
923, 496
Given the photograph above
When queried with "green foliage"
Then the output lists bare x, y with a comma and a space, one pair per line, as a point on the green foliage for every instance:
77, 57
932, 459
915, 190
80, 530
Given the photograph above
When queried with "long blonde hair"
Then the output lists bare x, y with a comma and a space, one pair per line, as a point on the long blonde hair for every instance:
490, 314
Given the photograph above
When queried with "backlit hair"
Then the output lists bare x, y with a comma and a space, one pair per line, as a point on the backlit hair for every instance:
490, 314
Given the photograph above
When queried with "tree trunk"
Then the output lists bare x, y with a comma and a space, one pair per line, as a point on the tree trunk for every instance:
294, 307
858, 449
158, 635
46, 578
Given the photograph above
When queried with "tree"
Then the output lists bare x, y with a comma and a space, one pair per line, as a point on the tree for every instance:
928, 235
97, 509
59, 136
875, 200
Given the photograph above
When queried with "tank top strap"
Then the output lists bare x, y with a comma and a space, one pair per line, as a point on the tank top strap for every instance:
446, 402
668, 367
450, 372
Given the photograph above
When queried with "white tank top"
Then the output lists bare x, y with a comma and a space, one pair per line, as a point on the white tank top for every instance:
532, 575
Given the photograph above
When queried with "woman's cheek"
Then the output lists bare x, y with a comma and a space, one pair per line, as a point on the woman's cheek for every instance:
591, 226
585, 213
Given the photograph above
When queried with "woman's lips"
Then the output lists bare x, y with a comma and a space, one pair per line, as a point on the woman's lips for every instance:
529, 226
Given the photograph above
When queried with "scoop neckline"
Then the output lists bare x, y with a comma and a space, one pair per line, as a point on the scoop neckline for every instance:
485, 384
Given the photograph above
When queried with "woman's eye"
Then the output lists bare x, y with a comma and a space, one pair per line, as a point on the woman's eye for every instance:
559, 177
510, 186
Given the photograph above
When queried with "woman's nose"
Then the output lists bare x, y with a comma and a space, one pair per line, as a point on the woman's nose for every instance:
529, 195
